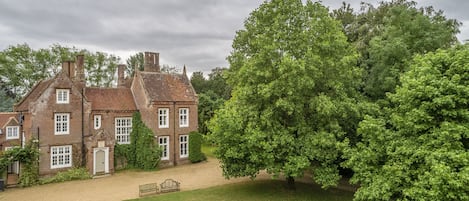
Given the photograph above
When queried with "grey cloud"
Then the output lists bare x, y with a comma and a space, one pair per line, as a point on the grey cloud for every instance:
195, 33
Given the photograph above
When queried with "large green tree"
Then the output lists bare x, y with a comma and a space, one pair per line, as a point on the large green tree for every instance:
388, 36
419, 148
294, 83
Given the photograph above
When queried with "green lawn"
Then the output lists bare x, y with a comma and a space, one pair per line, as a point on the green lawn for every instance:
208, 149
271, 190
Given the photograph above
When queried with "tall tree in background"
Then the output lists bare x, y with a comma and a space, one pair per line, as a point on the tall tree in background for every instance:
21, 67
213, 92
199, 82
100, 68
388, 36
294, 82
135, 61
6, 102
419, 149
217, 83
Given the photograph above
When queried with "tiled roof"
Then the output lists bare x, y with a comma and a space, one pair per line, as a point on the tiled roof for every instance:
110, 98
6, 116
168, 87
35, 92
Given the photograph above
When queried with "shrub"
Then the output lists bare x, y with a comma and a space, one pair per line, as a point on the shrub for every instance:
69, 175
195, 147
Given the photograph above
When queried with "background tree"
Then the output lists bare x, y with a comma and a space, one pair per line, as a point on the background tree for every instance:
419, 149
388, 36
213, 92
6, 102
21, 67
135, 61
294, 83
199, 82
209, 102
100, 68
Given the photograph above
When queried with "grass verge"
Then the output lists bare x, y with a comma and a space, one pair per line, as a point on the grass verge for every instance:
272, 190
208, 149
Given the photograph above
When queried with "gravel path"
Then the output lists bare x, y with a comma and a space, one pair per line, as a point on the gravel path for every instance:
124, 185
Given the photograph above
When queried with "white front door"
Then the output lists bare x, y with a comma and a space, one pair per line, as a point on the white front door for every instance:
101, 160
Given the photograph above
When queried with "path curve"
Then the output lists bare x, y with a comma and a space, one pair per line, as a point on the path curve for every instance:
124, 185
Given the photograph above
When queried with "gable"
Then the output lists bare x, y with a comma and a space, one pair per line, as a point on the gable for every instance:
44, 93
8, 119
33, 95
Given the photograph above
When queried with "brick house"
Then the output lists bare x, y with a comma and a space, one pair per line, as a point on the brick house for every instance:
78, 125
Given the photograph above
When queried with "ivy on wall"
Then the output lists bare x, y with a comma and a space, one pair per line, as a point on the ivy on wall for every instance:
142, 152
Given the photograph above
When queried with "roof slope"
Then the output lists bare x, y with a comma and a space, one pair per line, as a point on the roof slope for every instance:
167, 87
35, 92
110, 98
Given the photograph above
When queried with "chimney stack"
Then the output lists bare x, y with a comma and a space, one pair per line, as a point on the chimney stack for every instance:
151, 62
72, 70
120, 75
68, 67
80, 74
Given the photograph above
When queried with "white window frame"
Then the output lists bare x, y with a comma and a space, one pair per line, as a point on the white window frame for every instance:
63, 124
61, 155
12, 132
184, 146
123, 128
14, 167
183, 117
97, 121
163, 118
163, 142
62, 96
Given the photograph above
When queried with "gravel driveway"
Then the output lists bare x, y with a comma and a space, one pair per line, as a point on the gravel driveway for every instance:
124, 185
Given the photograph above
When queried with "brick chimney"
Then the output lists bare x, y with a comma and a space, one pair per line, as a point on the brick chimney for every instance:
120, 75
80, 74
151, 62
68, 67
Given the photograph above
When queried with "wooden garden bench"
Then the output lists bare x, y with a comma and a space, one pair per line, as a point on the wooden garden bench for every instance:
147, 189
169, 185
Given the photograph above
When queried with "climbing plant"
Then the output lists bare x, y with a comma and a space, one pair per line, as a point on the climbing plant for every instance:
142, 152
28, 157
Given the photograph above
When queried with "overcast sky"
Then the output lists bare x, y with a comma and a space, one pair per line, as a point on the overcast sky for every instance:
195, 33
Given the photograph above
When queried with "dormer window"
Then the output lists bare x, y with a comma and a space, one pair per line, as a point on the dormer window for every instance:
62, 96
13, 132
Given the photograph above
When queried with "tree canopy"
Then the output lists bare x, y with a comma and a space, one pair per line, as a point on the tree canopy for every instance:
388, 36
212, 92
294, 82
21, 66
419, 148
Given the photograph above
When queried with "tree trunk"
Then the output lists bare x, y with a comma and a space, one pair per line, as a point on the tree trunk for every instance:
291, 183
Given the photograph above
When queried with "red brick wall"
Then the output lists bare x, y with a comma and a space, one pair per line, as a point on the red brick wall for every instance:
43, 111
